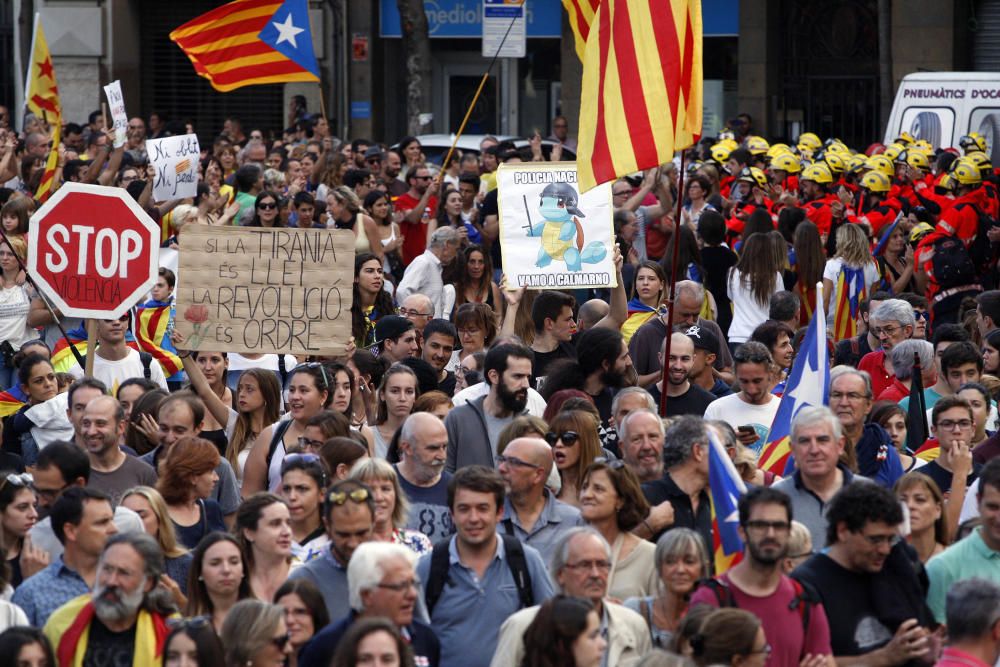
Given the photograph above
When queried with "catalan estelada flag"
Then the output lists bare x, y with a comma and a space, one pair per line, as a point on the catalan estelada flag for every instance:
641, 95
152, 320
725, 488
581, 15
9, 404
249, 42
851, 291
808, 384
42, 98
62, 354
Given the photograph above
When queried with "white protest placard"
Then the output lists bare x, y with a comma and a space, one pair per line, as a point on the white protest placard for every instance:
504, 19
176, 162
551, 236
116, 103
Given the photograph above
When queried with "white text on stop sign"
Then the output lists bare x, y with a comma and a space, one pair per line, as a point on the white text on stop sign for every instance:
112, 252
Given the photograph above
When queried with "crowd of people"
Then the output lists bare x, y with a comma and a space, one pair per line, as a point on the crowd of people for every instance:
501, 477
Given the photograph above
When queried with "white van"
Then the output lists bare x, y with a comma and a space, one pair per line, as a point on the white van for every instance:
940, 107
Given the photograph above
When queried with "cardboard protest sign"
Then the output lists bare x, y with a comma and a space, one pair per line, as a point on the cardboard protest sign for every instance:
176, 162
265, 290
116, 103
551, 236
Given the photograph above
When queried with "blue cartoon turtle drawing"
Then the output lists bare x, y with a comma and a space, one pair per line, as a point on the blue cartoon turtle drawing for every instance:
561, 227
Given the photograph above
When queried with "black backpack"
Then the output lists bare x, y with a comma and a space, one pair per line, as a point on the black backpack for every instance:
516, 561
952, 264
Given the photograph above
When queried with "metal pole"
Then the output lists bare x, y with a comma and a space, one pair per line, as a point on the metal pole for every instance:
673, 281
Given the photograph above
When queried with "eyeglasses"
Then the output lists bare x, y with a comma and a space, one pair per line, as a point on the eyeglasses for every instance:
340, 497
921, 315
951, 424
402, 586
267, 206
412, 313
309, 366
879, 540
514, 461
281, 641
851, 396
764, 526
587, 565
568, 438
50, 494
309, 443
888, 331
614, 464
621, 193
422, 178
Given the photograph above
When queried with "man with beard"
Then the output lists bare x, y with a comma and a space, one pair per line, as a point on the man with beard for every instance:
474, 428
423, 449
683, 396
124, 620
111, 470
439, 340
751, 411
794, 622
640, 436
416, 206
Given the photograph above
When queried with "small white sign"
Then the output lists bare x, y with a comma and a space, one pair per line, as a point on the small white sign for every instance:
176, 162
117, 105
499, 16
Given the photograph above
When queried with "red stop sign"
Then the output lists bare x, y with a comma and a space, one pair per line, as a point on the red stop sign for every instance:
93, 251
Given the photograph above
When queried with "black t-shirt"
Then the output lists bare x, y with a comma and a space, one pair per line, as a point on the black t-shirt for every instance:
109, 649
943, 477
543, 359
692, 402
854, 626
844, 354
685, 515
447, 385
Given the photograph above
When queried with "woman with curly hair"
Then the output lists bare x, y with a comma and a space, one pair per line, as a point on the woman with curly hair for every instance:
370, 302
474, 280
566, 632
575, 444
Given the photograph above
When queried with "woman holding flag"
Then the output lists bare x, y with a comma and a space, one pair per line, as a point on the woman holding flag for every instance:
647, 295
847, 280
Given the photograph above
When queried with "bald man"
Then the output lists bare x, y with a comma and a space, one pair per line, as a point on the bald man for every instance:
423, 448
591, 312
531, 512
683, 396
111, 470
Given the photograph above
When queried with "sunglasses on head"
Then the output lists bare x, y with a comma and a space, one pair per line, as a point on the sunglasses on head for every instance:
340, 497
568, 438
311, 365
614, 464
23, 479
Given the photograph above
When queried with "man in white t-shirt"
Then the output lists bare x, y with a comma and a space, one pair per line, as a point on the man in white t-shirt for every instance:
114, 361
754, 406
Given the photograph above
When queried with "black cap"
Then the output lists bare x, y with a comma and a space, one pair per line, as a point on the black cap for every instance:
373, 151
703, 339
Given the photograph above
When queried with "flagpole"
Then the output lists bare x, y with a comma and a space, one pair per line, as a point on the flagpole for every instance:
673, 282
27, 77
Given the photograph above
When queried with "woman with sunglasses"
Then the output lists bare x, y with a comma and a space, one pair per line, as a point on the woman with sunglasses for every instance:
575, 444
38, 382
264, 530
391, 505
187, 476
612, 502
308, 392
218, 578
370, 301
303, 480
255, 634
305, 613
396, 396
265, 211
17, 516
679, 562
192, 642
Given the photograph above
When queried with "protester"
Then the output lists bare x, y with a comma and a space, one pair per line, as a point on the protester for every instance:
218, 578
305, 614
152, 509
254, 632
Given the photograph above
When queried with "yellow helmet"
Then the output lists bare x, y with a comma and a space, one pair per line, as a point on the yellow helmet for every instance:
876, 181
817, 173
918, 160
753, 175
922, 145
881, 163
855, 162
973, 141
729, 143
757, 145
904, 139
786, 162
835, 162
777, 149
720, 152
981, 160
837, 146
946, 182
919, 231
809, 141
892, 151
966, 172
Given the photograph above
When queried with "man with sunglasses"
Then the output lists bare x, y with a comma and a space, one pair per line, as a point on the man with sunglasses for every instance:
794, 622
417, 206
531, 512
349, 514
865, 580
115, 361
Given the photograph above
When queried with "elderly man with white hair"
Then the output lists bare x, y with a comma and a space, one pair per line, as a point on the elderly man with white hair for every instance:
891, 322
580, 567
902, 357
381, 582
423, 275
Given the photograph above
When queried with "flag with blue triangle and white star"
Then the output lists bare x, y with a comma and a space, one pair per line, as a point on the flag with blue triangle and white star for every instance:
725, 488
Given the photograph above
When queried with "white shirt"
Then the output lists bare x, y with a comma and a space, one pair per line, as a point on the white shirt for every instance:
831, 272
113, 373
747, 313
423, 276
736, 412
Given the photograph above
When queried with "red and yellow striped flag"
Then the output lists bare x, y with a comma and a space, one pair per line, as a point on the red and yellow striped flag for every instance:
641, 97
581, 15
42, 97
